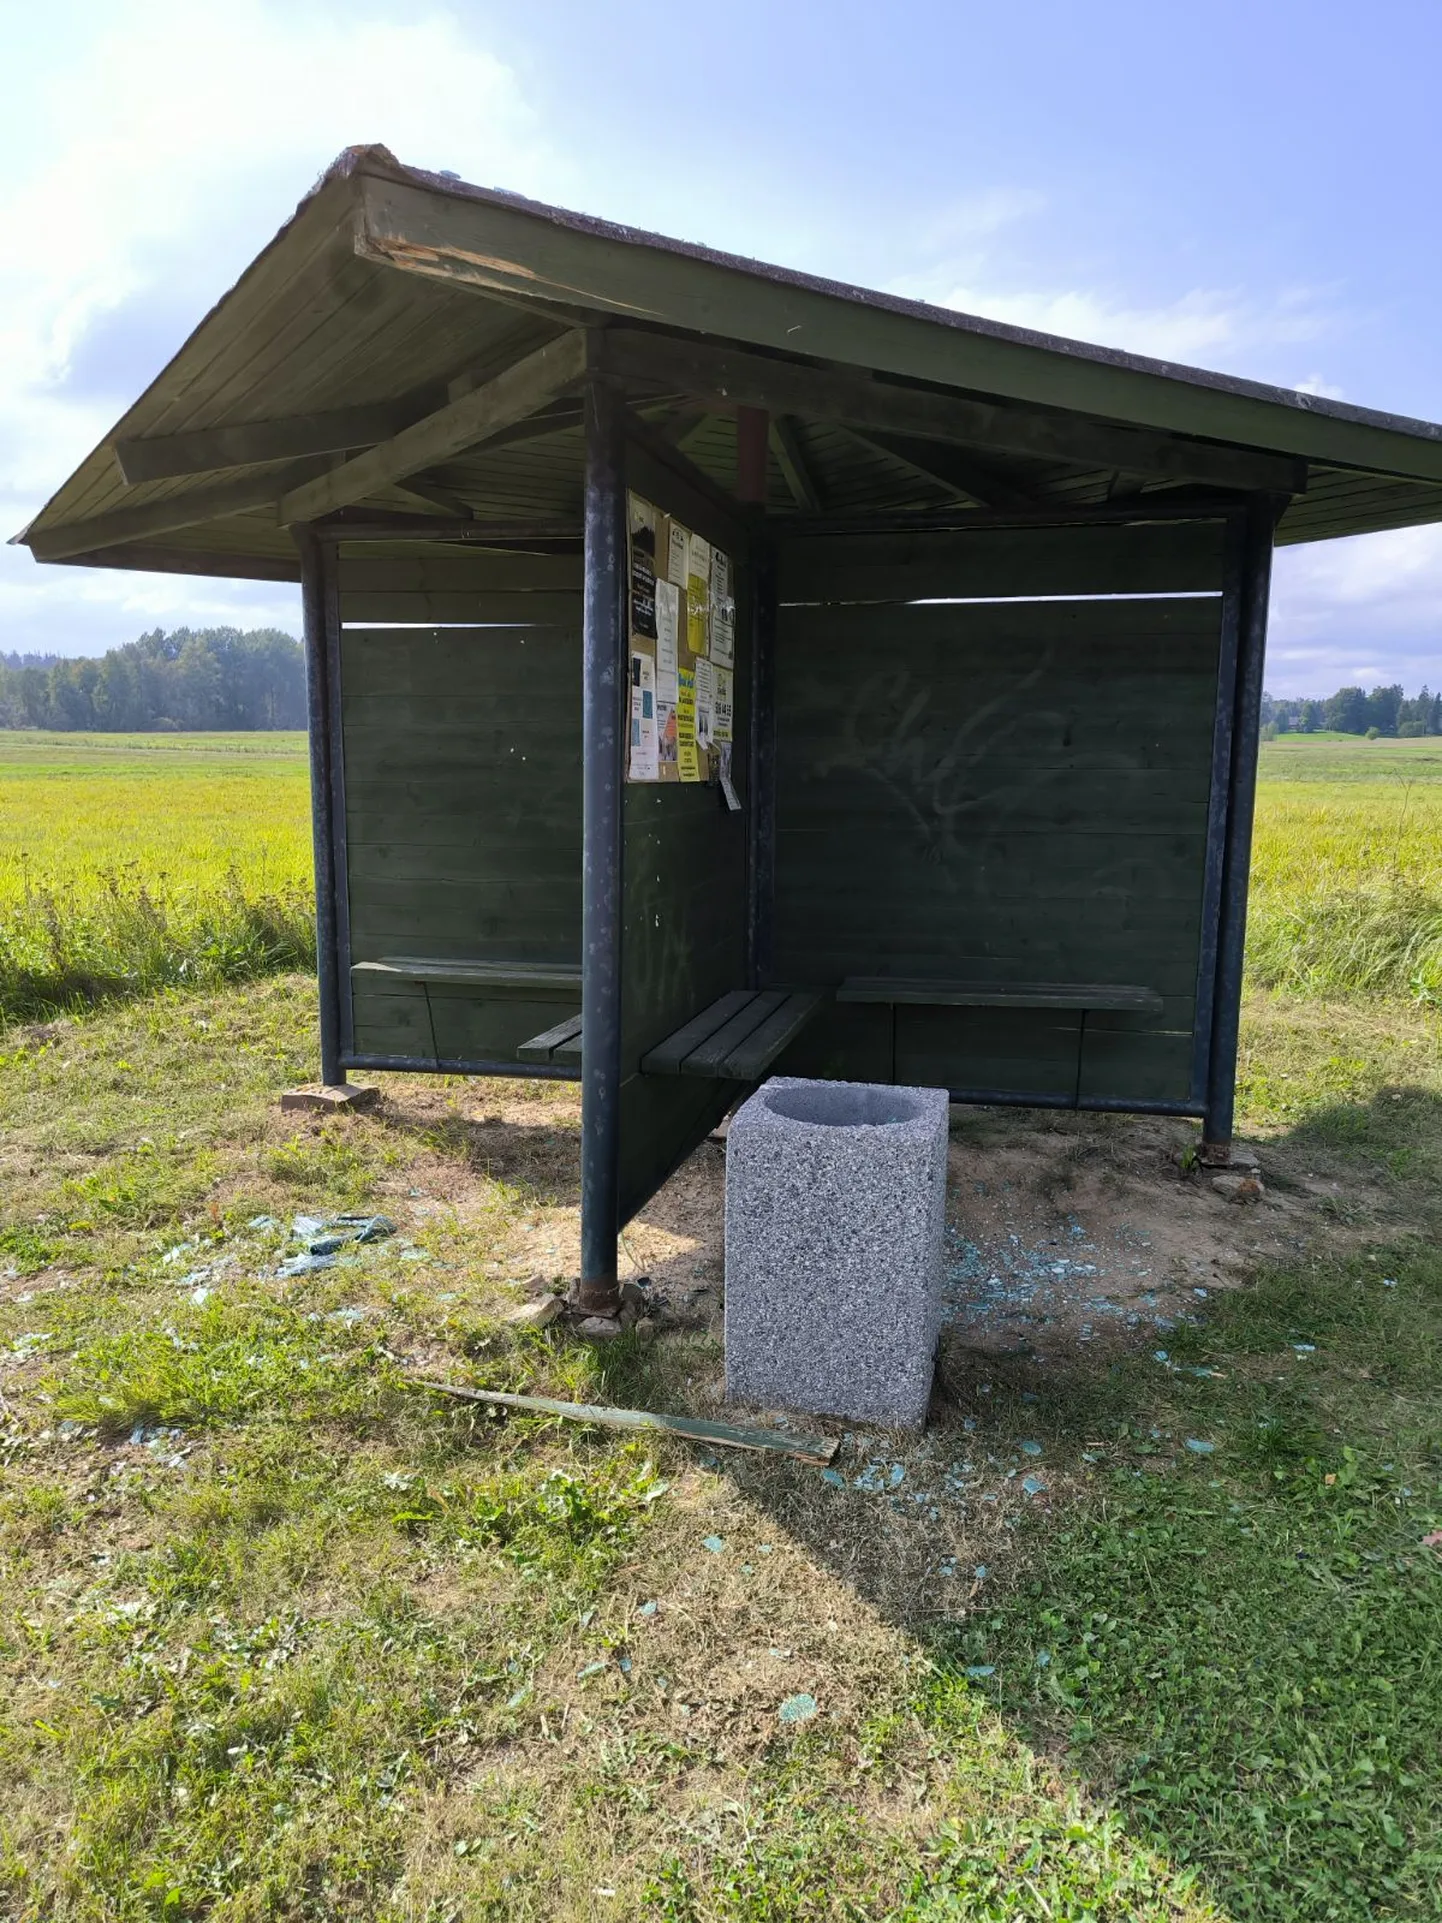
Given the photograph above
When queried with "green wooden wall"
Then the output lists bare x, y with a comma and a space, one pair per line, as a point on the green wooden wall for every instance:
684, 938
997, 791
462, 767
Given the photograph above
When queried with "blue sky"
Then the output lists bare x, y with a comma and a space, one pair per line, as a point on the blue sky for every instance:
1253, 187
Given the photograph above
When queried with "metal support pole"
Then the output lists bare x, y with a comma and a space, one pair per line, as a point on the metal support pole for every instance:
317, 594
1254, 589
761, 771
604, 702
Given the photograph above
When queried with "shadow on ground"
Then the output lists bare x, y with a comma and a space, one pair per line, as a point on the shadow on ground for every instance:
1193, 1564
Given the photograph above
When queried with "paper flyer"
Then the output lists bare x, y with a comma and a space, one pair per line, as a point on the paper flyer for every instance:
728, 786
686, 756
668, 637
724, 709
665, 737
720, 575
705, 680
723, 632
678, 549
643, 567
644, 760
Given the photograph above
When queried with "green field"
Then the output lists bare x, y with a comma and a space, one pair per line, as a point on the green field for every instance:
283, 1637
129, 861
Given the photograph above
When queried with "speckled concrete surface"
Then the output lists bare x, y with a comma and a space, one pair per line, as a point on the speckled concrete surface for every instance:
835, 1205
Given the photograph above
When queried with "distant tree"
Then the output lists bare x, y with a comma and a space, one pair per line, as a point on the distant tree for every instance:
1346, 711
1310, 717
1383, 708
203, 679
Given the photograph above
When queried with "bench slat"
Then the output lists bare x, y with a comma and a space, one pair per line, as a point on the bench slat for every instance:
541, 1048
712, 1056
750, 1061
1081, 995
541, 981
667, 1056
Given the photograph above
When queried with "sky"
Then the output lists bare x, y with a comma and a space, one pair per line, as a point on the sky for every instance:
1248, 185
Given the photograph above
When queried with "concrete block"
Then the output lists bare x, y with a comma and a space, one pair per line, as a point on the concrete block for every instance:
835, 1206
330, 1099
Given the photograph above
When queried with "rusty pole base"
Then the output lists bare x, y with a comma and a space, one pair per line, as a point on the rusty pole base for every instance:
601, 1296
1215, 1155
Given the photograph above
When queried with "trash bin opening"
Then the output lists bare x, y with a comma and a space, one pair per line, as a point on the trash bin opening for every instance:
842, 1106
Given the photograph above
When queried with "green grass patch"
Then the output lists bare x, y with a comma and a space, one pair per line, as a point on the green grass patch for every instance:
130, 863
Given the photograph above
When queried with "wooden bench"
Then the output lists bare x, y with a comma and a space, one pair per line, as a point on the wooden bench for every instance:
532, 981
1086, 996
738, 1037
558, 1047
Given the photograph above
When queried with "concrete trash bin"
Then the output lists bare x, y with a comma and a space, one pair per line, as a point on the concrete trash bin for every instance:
835, 1205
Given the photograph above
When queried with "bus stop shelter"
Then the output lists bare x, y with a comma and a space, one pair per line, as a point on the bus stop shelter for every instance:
717, 671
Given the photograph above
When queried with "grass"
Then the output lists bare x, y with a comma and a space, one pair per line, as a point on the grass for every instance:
129, 862
1347, 868
283, 1637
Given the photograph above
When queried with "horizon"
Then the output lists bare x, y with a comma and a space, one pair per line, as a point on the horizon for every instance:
168, 147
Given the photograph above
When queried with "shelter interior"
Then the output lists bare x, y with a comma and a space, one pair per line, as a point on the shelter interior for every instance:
993, 606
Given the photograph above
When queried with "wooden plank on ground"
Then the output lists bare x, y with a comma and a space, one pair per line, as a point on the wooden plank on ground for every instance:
725, 1435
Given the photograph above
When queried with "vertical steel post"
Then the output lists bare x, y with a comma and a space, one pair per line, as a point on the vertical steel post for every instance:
1255, 588
604, 706
761, 768
318, 598
1219, 801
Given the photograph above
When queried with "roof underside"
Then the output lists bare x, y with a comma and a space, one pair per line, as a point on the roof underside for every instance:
395, 292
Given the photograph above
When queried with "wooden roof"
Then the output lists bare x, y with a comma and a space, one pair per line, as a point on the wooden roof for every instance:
392, 292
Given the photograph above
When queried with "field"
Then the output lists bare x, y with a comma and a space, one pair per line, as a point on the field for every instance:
1145, 1628
132, 861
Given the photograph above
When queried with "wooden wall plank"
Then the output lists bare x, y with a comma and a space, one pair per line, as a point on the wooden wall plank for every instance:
1159, 557
463, 813
996, 792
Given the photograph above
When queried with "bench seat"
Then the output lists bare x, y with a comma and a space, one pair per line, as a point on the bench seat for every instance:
738, 1037
558, 1047
1086, 996
532, 981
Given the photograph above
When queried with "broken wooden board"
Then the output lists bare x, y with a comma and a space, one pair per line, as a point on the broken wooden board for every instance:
771, 1442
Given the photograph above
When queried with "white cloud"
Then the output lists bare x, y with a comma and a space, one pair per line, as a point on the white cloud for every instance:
1203, 327
167, 147
1363, 611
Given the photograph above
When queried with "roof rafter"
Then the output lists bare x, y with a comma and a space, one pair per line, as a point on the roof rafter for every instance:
164, 457
518, 391
791, 458
730, 377
952, 468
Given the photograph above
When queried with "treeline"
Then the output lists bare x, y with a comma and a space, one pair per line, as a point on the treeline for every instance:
211, 678
1385, 711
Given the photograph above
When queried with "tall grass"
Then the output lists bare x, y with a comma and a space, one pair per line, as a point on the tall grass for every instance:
116, 933
129, 864
1347, 878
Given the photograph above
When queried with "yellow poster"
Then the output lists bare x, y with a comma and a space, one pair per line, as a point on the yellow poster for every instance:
687, 760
